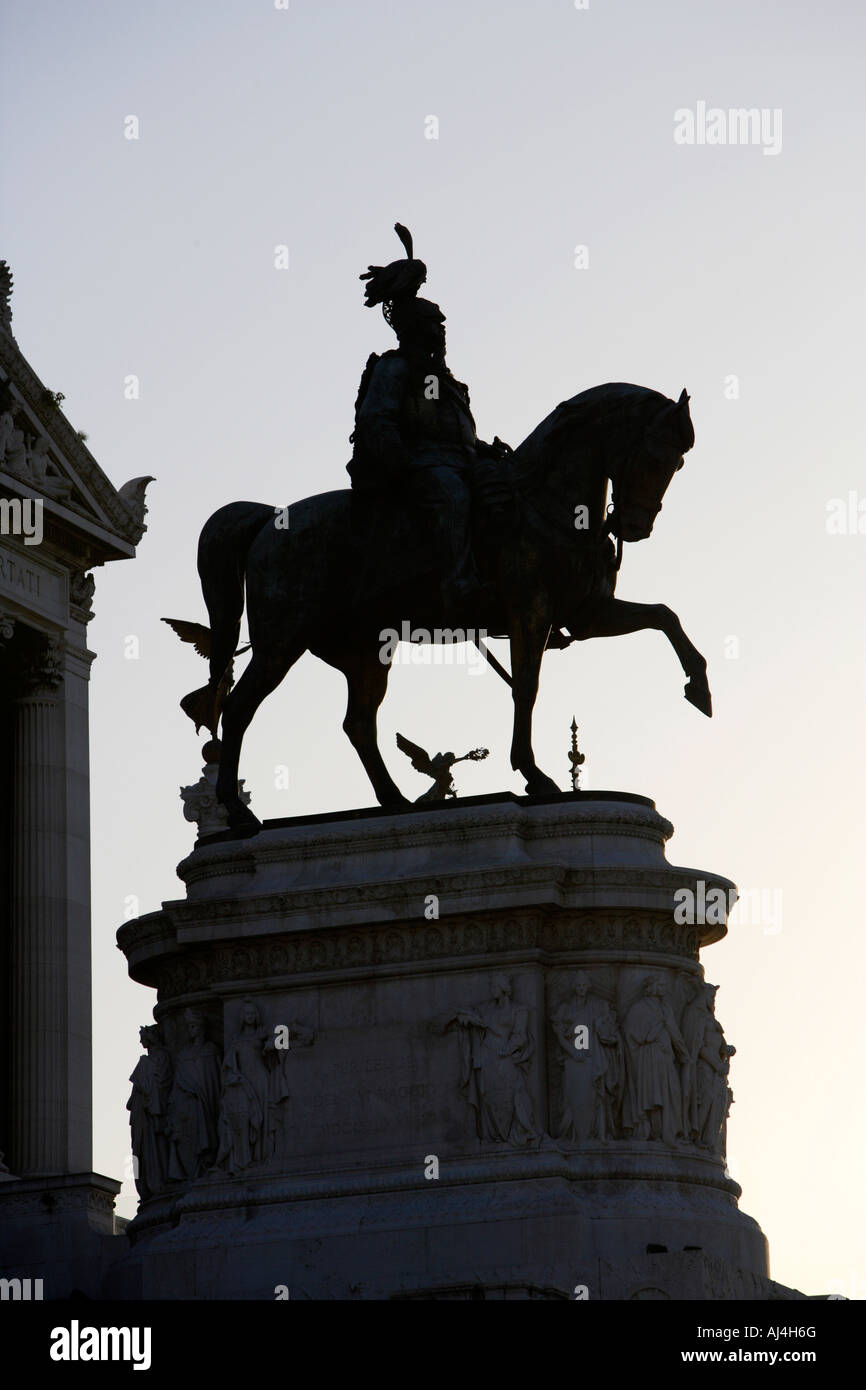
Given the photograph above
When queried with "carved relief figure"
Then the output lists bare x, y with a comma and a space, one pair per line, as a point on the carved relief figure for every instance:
194, 1102
694, 1021
13, 448
653, 1102
586, 1029
254, 1083
51, 484
148, 1106
495, 1049
713, 1066
7, 430
26, 456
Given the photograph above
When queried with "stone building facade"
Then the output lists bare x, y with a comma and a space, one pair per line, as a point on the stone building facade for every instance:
60, 519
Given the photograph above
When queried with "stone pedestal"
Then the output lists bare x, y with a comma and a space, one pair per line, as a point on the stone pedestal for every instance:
59, 1230
462, 1051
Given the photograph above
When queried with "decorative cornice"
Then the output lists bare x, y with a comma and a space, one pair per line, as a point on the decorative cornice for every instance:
401, 903
157, 958
628, 1162
6, 286
475, 825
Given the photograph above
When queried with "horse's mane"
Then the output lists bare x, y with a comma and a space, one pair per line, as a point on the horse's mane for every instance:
616, 404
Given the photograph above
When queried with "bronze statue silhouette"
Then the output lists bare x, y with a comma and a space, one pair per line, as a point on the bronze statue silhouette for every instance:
414, 431
345, 571
438, 767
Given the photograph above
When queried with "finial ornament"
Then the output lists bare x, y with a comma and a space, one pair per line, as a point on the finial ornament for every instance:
575, 757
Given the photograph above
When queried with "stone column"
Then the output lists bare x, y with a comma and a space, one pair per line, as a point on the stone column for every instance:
79, 1030
38, 1000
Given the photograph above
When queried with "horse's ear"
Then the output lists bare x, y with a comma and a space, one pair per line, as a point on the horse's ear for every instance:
687, 428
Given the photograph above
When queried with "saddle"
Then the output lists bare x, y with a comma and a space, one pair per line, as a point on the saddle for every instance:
385, 526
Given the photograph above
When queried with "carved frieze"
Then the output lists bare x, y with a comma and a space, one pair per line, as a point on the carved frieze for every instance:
654, 1069
305, 952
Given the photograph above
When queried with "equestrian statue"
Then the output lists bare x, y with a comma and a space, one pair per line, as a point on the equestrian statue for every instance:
439, 532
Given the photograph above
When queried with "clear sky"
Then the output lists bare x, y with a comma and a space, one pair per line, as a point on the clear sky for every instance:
733, 271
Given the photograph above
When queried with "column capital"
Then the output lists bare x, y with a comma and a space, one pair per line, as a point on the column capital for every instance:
40, 669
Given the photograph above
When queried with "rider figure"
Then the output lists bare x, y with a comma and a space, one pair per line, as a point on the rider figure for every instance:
414, 425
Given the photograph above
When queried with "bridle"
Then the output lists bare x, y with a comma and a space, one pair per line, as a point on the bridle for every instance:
621, 482
608, 530
610, 514
530, 505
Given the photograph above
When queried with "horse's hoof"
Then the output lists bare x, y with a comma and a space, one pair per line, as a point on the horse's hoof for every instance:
396, 803
539, 784
242, 820
698, 694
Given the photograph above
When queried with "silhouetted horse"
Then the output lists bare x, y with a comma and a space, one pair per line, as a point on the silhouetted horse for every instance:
347, 570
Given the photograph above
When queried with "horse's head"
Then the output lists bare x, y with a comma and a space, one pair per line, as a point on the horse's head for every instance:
640, 479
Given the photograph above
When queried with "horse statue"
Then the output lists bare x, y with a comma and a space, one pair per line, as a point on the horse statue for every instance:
336, 573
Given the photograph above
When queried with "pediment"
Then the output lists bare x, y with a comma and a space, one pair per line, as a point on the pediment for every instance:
41, 452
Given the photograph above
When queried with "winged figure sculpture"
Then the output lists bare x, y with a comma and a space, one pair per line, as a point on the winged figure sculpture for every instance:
438, 767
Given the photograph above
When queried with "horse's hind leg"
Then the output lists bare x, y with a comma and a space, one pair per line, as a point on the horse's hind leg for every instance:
527, 648
263, 675
367, 678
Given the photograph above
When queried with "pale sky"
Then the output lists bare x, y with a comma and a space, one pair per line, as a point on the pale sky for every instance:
261, 127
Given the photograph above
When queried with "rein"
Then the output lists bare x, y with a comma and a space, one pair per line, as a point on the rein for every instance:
608, 530
556, 523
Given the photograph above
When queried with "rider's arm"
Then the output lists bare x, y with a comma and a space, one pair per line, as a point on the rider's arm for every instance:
377, 430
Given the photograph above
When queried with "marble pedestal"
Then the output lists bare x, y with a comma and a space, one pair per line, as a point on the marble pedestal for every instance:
59, 1231
366, 1082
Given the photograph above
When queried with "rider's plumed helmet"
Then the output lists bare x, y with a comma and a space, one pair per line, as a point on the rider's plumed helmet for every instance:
396, 286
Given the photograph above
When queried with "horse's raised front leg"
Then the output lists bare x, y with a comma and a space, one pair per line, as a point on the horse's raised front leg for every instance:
616, 617
367, 678
527, 649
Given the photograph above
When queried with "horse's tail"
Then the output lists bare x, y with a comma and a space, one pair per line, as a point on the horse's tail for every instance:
223, 547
